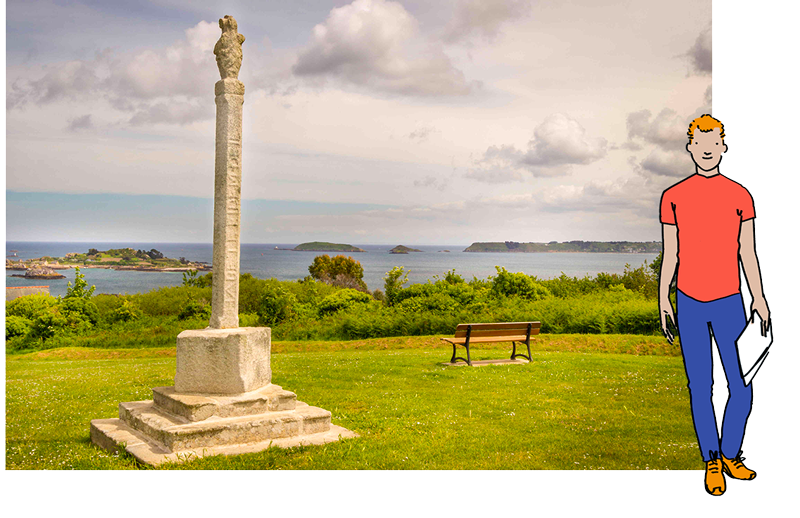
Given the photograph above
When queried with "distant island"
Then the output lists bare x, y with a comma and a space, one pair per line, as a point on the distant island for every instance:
400, 249
322, 246
619, 247
114, 259
40, 272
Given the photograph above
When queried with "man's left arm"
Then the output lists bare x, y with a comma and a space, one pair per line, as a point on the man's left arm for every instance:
752, 272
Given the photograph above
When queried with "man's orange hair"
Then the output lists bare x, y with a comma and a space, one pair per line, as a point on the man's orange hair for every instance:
706, 123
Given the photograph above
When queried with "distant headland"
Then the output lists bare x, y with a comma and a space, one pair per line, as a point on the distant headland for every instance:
322, 246
595, 247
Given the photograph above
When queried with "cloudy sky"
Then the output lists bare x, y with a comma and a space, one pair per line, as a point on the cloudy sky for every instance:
371, 121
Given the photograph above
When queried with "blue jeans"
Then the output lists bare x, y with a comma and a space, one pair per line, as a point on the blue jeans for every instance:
726, 319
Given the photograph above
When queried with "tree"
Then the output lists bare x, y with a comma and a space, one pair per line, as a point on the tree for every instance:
190, 278
338, 271
80, 289
393, 283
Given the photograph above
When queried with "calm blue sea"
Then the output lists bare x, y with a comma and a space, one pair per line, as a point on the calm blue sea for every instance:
264, 261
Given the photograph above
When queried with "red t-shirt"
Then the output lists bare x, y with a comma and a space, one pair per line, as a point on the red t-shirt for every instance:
709, 214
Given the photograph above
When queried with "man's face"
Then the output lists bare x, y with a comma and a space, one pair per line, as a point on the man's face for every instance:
706, 149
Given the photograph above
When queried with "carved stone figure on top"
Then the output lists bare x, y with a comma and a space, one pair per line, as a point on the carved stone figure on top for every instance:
229, 48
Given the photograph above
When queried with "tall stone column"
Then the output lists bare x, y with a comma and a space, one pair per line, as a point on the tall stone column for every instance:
227, 204
229, 93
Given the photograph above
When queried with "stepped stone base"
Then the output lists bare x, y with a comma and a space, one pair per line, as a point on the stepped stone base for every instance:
180, 427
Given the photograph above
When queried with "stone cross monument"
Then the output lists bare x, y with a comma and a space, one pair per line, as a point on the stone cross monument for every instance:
223, 401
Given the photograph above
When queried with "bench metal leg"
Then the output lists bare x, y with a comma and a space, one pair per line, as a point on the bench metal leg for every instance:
514, 352
454, 358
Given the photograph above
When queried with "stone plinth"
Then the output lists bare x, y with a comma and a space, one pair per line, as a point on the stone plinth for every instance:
223, 361
179, 427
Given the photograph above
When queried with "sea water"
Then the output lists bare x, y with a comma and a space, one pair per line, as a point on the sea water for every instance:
269, 261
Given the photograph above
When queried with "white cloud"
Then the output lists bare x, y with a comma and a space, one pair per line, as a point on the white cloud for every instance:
558, 143
637, 195
172, 112
156, 85
667, 129
81, 123
676, 164
699, 55
665, 137
184, 68
483, 18
432, 181
376, 44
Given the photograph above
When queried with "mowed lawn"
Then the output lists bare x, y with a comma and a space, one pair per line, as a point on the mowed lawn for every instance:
576, 406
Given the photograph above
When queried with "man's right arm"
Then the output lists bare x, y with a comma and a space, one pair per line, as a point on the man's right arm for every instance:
669, 263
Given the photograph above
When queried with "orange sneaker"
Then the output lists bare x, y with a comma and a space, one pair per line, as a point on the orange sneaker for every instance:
715, 481
734, 468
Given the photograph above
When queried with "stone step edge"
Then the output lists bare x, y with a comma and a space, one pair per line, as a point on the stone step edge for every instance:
114, 435
178, 434
199, 407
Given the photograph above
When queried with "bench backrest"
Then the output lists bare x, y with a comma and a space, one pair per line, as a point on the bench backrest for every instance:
498, 329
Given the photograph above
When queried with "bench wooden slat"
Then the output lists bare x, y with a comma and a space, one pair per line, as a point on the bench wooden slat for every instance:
505, 332
489, 339
500, 325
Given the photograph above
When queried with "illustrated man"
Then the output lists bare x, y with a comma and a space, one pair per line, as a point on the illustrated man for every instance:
707, 229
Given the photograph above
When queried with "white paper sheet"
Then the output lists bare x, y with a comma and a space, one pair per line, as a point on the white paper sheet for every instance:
753, 348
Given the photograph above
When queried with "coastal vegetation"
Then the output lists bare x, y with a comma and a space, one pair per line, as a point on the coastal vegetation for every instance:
322, 246
331, 304
568, 246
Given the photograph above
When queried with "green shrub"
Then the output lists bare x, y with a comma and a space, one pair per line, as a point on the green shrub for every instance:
168, 301
250, 293
48, 324
343, 300
248, 320
195, 309
126, 312
518, 284
340, 271
30, 306
17, 326
79, 311
277, 305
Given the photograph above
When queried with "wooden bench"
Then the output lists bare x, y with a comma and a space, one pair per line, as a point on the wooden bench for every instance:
513, 332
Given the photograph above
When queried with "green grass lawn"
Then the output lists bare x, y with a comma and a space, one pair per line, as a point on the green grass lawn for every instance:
576, 406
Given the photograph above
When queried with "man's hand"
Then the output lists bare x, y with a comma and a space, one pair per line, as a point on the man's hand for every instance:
759, 306
667, 317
